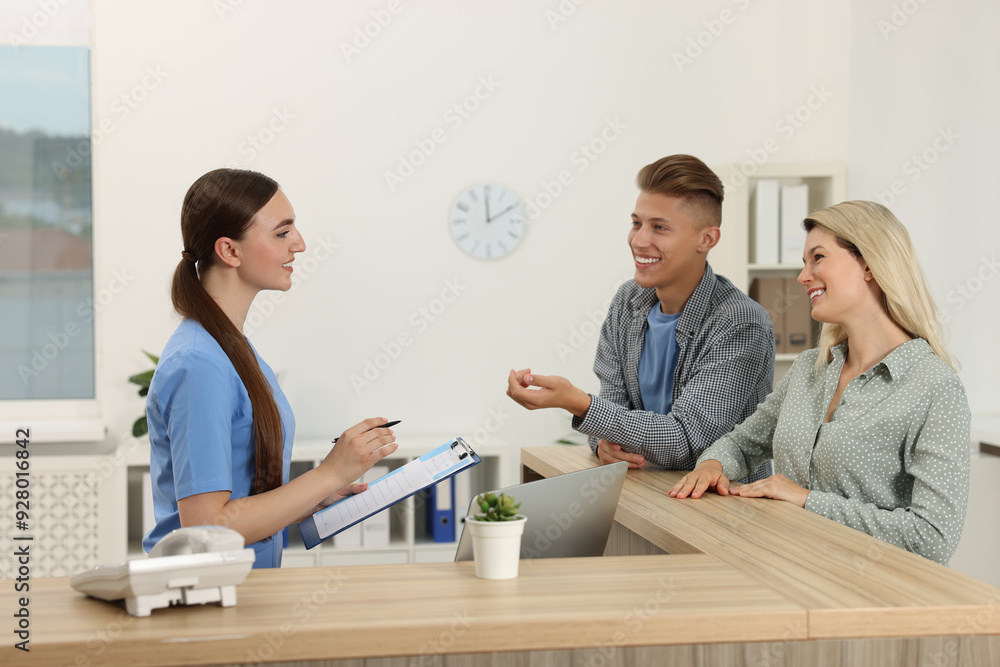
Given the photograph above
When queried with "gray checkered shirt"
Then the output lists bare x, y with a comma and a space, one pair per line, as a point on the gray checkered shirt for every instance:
725, 367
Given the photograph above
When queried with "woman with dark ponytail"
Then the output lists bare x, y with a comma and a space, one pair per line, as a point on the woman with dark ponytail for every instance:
220, 428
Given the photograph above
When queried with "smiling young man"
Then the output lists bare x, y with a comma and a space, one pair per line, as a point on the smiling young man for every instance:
684, 356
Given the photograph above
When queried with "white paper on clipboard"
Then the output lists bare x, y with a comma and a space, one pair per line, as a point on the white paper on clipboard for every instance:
418, 474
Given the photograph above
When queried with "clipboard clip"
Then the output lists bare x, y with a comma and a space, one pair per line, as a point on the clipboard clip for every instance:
466, 449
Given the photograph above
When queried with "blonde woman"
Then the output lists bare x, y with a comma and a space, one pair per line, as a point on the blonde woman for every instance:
870, 429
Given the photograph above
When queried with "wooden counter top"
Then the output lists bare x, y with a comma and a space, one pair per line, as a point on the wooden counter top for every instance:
413, 610
851, 584
747, 582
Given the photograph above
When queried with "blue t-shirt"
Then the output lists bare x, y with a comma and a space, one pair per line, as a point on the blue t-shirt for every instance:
658, 361
201, 431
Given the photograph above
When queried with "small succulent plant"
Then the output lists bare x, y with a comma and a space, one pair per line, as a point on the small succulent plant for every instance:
496, 507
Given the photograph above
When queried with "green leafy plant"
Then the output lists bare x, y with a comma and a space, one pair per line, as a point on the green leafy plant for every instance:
141, 427
496, 507
573, 438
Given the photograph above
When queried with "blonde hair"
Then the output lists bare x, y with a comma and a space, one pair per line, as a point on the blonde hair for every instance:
870, 231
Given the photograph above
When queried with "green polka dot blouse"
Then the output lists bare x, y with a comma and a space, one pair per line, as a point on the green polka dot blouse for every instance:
894, 460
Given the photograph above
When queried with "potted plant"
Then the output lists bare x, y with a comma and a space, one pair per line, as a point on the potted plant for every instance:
140, 427
496, 536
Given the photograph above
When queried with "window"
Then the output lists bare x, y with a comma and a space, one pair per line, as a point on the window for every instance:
46, 274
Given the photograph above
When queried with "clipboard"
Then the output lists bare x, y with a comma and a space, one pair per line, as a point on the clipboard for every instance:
434, 466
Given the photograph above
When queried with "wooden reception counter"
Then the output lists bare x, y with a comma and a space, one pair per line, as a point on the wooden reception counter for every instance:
743, 582
849, 585
420, 612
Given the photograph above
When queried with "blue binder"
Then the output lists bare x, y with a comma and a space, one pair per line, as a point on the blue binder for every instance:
441, 511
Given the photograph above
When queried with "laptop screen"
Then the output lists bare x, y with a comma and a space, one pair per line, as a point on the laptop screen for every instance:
569, 515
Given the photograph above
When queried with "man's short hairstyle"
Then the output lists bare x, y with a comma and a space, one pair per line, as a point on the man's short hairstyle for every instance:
689, 178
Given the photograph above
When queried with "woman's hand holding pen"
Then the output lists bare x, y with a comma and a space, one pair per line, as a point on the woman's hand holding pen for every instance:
358, 449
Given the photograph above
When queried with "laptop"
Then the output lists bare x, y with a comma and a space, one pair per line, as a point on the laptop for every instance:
569, 515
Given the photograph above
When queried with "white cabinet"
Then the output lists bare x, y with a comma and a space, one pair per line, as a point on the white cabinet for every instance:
735, 256
72, 514
409, 541
977, 552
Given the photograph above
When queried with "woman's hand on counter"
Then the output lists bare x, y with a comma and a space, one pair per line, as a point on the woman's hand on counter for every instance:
707, 475
778, 487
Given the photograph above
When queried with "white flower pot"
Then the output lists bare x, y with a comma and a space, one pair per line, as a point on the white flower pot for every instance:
496, 546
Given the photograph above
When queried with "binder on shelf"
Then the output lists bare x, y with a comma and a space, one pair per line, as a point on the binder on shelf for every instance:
441, 511
771, 293
428, 470
794, 209
798, 318
766, 211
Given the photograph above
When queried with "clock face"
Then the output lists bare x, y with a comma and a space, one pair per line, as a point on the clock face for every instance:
487, 220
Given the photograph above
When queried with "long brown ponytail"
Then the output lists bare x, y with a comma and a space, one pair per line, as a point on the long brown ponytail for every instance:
224, 203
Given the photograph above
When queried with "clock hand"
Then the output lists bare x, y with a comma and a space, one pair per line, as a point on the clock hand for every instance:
486, 198
509, 208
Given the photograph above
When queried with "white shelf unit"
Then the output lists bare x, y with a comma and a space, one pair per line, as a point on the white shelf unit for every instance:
827, 183
408, 542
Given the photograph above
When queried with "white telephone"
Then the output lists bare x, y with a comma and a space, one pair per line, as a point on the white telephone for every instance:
194, 565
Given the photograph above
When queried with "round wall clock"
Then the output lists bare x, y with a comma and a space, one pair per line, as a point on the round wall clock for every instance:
487, 220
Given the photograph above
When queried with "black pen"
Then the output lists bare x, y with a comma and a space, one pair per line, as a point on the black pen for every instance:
386, 425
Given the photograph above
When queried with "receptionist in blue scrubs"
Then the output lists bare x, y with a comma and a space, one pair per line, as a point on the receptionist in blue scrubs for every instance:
220, 428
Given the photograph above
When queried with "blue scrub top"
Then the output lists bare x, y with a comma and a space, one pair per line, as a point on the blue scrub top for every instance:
201, 431
658, 361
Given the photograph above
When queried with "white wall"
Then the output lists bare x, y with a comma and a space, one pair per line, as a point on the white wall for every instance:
53, 23
925, 89
222, 77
